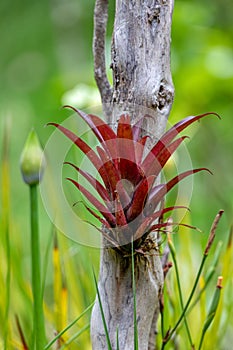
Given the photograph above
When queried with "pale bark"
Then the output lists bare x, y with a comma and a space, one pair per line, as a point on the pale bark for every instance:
141, 58
100, 23
115, 286
141, 82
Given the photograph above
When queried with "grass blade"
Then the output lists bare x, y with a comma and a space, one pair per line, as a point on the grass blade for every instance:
117, 339
212, 311
102, 314
205, 255
68, 327
21, 334
75, 336
134, 300
168, 337
173, 254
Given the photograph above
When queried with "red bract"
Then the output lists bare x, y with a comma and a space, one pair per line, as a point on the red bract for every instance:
128, 190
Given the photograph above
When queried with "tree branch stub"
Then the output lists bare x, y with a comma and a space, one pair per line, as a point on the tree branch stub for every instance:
99, 36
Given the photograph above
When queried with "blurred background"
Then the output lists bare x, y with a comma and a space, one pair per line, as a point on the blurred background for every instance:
45, 62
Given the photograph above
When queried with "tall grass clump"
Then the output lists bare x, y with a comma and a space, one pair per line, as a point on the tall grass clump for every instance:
171, 336
60, 287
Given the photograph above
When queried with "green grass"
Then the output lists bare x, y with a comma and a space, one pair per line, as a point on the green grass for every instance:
174, 259
60, 57
76, 335
108, 342
198, 296
67, 289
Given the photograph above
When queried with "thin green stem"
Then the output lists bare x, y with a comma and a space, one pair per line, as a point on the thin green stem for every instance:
134, 301
117, 339
38, 317
210, 273
162, 324
102, 314
201, 341
181, 296
165, 341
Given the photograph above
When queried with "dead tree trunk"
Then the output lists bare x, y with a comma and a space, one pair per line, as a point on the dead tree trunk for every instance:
141, 82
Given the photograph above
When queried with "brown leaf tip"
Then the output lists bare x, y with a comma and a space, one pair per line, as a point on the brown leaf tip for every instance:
212, 231
219, 283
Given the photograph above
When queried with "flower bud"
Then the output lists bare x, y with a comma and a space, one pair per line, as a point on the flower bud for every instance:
32, 160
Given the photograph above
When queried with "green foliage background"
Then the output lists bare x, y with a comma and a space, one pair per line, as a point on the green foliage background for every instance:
45, 53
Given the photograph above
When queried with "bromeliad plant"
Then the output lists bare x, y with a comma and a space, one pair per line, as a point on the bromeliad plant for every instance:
129, 190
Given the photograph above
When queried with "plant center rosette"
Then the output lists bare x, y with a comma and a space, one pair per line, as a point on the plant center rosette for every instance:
127, 200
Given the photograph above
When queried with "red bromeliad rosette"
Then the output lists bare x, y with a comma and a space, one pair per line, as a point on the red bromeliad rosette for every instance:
130, 195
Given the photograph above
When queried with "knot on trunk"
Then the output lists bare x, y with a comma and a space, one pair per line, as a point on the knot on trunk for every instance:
162, 97
153, 14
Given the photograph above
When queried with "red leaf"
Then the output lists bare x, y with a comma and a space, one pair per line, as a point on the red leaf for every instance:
110, 169
130, 171
127, 151
139, 149
99, 206
113, 178
119, 213
107, 236
157, 227
80, 144
174, 131
95, 183
103, 221
95, 160
139, 198
124, 129
143, 228
153, 165
137, 127
181, 125
101, 129
160, 191
125, 143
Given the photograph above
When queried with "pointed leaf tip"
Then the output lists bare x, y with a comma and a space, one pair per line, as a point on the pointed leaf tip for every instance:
206, 169
51, 123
